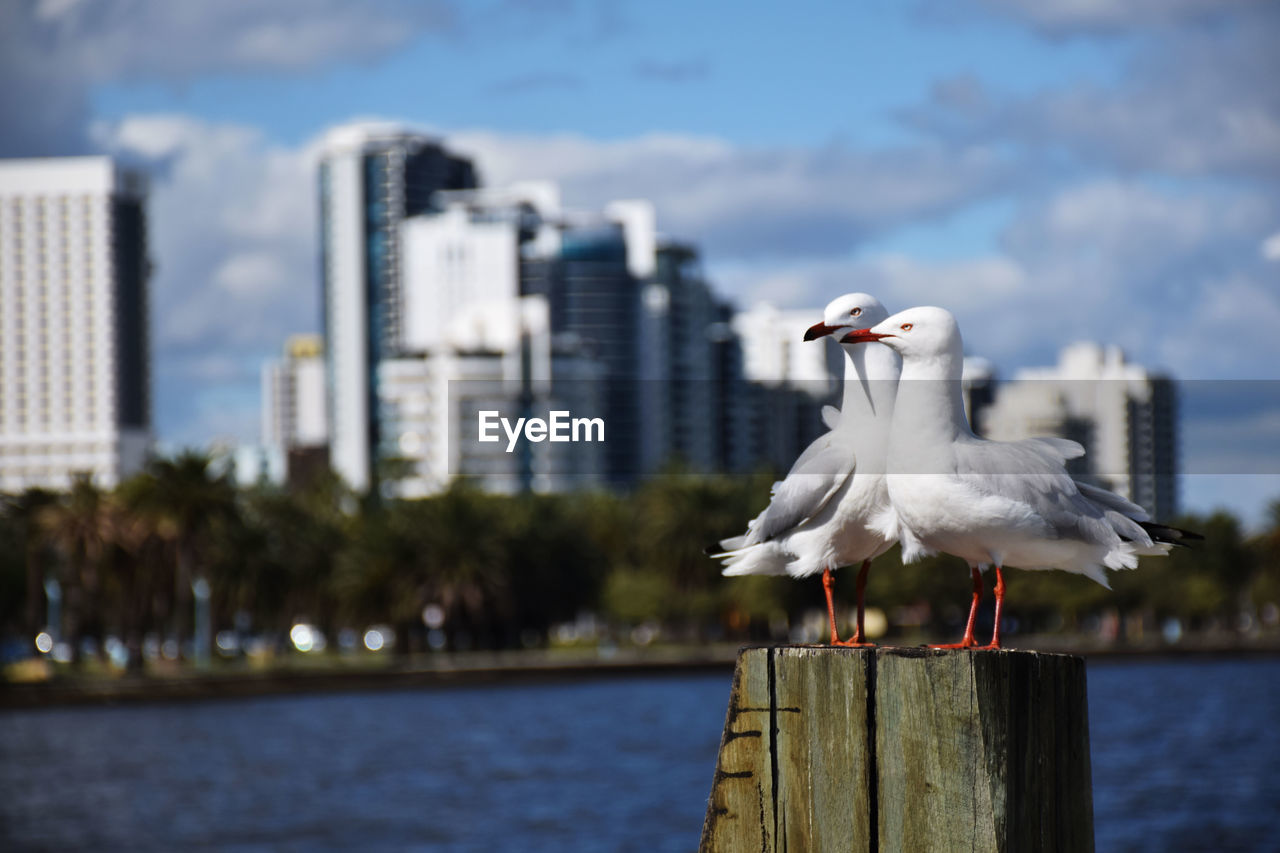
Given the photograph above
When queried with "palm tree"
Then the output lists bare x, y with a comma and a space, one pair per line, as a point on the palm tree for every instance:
75, 526
141, 536
23, 511
283, 560
450, 550
193, 501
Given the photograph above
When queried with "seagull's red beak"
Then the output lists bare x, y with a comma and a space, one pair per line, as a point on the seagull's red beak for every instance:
862, 336
819, 330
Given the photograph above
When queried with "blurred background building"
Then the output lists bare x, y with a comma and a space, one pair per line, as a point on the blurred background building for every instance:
1123, 414
442, 297
74, 340
776, 405
372, 177
295, 418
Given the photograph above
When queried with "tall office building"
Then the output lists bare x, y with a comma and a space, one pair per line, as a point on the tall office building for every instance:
372, 177
74, 339
1124, 415
681, 330
593, 286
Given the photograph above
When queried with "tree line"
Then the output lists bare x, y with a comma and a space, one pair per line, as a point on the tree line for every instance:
501, 570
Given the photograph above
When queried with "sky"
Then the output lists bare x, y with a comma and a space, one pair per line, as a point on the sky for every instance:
1049, 170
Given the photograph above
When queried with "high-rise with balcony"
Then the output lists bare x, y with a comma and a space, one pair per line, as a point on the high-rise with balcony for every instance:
372, 176
74, 340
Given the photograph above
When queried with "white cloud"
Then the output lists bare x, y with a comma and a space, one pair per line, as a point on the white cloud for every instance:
109, 39
1076, 17
740, 201
1172, 277
1270, 247
53, 51
232, 225
1191, 101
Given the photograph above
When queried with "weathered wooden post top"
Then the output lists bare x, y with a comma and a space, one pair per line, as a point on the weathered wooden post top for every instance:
903, 749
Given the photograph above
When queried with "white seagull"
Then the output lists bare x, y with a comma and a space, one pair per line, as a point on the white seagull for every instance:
1001, 503
820, 517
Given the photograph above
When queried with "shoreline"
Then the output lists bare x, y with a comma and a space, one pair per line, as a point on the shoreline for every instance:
476, 669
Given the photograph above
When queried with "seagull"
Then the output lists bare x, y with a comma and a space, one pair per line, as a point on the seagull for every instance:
1000, 503
820, 515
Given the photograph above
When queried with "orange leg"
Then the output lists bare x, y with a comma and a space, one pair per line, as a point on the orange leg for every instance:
828, 583
968, 642
995, 632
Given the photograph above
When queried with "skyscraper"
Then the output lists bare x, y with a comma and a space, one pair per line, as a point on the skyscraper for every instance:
74, 339
372, 176
681, 331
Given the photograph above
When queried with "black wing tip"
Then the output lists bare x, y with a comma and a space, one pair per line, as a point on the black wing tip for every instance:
712, 549
1170, 535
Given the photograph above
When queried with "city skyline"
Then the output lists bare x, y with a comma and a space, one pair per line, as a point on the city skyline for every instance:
1053, 172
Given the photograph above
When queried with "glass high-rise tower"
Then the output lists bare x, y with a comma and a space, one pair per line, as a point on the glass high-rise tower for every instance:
372, 176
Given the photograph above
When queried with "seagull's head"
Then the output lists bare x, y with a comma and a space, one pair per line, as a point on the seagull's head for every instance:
915, 333
846, 314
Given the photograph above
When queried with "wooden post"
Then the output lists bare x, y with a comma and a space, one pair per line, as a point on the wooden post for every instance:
908, 749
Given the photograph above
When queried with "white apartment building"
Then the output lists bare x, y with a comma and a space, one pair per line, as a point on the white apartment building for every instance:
74, 338
775, 353
496, 356
1123, 414
293, 396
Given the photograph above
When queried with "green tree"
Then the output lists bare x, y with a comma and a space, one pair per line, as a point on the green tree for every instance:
27, 557
76, 525
194, 505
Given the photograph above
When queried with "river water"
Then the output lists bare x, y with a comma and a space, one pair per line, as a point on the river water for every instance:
1186, 757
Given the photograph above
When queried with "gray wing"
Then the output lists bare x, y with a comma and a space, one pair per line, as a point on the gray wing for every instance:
824, 467
1031, 472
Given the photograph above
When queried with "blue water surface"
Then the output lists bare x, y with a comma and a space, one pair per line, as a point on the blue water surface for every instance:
1185, 758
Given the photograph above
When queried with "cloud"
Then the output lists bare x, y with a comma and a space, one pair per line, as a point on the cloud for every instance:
1173, 277
741, 201
1104, 17
232, 226
901, 281
53, 51
1270, 247
1193, 101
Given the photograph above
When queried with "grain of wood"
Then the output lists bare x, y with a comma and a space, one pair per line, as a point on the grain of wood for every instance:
903, 750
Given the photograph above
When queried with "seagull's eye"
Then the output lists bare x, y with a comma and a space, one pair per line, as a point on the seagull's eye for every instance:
855, 312
906, 327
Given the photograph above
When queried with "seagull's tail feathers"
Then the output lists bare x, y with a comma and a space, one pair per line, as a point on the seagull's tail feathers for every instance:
1112, 501
1098, 574
719, 549
1164, 533
1125, 556
763, 559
